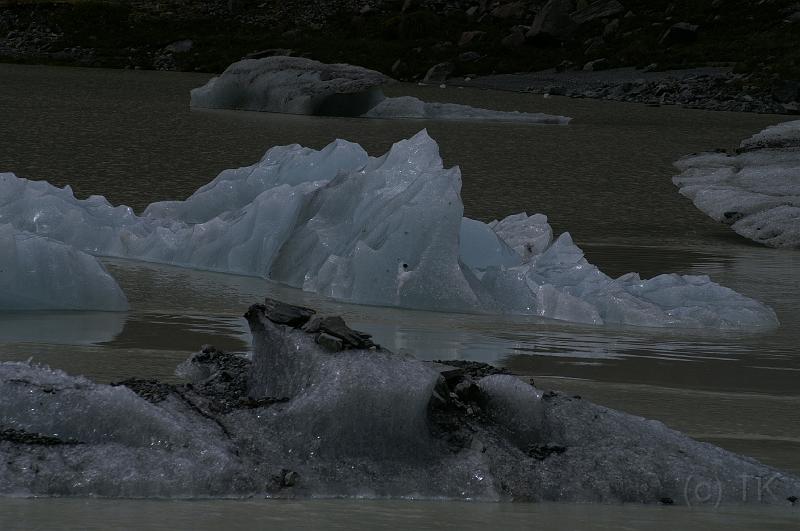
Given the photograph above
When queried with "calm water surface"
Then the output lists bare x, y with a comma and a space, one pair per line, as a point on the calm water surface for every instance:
605, 178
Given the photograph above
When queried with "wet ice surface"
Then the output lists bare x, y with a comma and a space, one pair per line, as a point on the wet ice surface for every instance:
719, 377
384, 231
305, 418
756, 191
37, 273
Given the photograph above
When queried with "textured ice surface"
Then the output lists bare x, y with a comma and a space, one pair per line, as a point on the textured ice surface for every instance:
299, 420
65, 435
296, 85
37, 273
756, 191
527, 235
292, 85
386, 231
411, 107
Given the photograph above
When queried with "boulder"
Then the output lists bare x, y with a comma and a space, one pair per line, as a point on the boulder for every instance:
553, 22
786, 91
512, 10
611, 29
469, 57
286, 314
182, 46
438, 73
593, 46
515, 39
680, 33
471, 37
597, 64
596, 11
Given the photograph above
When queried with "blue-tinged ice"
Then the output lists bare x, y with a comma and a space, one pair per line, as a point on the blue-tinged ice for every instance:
384, 231
756, 191
37, 273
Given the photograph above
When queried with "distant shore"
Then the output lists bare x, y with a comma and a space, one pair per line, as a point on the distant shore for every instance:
709, 88
728, 56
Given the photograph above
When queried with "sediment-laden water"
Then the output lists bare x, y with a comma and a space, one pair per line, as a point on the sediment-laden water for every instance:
605, 178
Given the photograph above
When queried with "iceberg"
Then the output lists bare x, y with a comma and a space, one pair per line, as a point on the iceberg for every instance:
295, 85
321, 411
292, 85
756, 191
383, 231
37, 273
411, 107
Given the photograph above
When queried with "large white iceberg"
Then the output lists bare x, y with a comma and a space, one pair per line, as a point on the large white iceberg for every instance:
37, 273
296, 85
756, 191
383, 231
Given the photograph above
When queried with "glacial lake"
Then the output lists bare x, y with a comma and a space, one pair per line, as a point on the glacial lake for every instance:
606, 179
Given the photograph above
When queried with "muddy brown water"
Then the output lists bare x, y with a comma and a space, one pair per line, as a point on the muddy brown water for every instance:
605, 178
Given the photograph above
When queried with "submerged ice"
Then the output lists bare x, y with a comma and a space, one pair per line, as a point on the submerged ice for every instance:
756, 191
37, 273
385, 231
295, 85
321, 411
411, 107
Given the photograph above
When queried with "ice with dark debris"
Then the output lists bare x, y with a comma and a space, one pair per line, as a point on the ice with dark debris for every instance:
307, 417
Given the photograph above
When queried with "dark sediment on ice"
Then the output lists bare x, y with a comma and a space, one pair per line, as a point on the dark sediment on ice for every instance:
304, 419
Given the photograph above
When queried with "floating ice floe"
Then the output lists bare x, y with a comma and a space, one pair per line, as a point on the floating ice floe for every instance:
37, 273
320, 411
411, 107
385, 231
292, 85
296, 85
756, 191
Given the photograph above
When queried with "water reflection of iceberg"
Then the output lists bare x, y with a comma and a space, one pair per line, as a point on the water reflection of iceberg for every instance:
61, 328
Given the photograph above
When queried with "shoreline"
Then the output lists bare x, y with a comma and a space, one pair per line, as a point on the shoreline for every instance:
756, 72
707, 88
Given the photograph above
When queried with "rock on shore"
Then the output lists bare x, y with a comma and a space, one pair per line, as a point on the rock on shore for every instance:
713, 89
303, 419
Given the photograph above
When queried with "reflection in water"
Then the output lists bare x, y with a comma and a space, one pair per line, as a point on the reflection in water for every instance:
390, 515
178, 332
60, 328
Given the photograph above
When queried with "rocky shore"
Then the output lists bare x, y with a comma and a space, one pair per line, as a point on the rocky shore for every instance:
713, 89
431, 40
